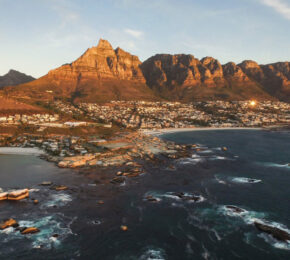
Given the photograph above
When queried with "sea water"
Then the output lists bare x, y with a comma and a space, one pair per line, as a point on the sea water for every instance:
253, 175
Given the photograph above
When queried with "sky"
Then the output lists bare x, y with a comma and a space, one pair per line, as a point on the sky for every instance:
39, 35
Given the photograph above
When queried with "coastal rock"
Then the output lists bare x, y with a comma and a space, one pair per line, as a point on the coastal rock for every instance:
188, 197
118, 180
8, 223
124, 228
18, 194
46, 183
277, 233
76, 161
60, 187
3, 195
150, 198
235, 209
30, 230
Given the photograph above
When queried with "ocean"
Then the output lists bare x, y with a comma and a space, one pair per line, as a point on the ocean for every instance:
236, 177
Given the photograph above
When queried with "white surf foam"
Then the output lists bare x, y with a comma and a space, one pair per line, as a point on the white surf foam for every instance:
245, 180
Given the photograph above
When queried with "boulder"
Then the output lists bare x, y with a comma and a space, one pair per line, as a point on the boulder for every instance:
117, 180
277, 233
235, 209
60, 187
18, 194
150, 198
124, 228
30, 230
3, 195
46, 183
8, 223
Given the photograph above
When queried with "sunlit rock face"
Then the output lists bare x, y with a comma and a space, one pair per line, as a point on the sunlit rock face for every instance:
103, 74
102, 62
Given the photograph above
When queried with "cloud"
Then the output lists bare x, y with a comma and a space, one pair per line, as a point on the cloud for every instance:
279, 6
135, 33
66, 11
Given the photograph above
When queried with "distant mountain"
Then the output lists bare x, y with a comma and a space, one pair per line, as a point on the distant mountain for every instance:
102, 74
14, 77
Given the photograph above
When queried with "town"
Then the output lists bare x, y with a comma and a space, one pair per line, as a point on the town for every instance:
117, 139
157, 115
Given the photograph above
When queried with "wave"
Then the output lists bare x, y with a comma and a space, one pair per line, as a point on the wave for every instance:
252, 217
271, 164
177, 196
153, 254
245, 180
52, 232
59, 200
219, 180
193, 161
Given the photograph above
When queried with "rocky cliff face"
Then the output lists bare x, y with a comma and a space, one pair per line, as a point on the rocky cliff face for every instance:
185, 77
103, 74
13, 78
102, 62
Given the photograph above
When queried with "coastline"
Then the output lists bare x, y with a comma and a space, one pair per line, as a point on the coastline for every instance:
178, 130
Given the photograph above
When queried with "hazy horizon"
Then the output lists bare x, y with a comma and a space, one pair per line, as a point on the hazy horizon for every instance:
38, 36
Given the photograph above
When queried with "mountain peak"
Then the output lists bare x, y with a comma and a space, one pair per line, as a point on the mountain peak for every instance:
104, 44
14, 77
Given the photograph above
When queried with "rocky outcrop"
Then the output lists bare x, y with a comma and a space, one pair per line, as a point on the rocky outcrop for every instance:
8, 223
13, 78
30, 230
18, 194
277, 233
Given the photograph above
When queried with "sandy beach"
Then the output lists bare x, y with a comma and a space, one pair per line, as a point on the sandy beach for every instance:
177, 130
20, 151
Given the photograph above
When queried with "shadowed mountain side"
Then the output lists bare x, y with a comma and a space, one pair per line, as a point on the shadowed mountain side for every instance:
13, 78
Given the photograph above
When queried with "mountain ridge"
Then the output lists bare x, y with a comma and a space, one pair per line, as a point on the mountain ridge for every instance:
102, 74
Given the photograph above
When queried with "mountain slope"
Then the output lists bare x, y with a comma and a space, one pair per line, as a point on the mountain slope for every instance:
101, 74
14, 77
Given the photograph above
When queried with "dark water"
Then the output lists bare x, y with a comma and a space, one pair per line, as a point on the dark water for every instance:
171, 228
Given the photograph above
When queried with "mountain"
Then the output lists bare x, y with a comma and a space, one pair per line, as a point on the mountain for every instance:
102, 74
14, 77
183, 77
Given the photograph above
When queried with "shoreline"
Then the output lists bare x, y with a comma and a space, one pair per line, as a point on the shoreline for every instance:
180, 130
20, 151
